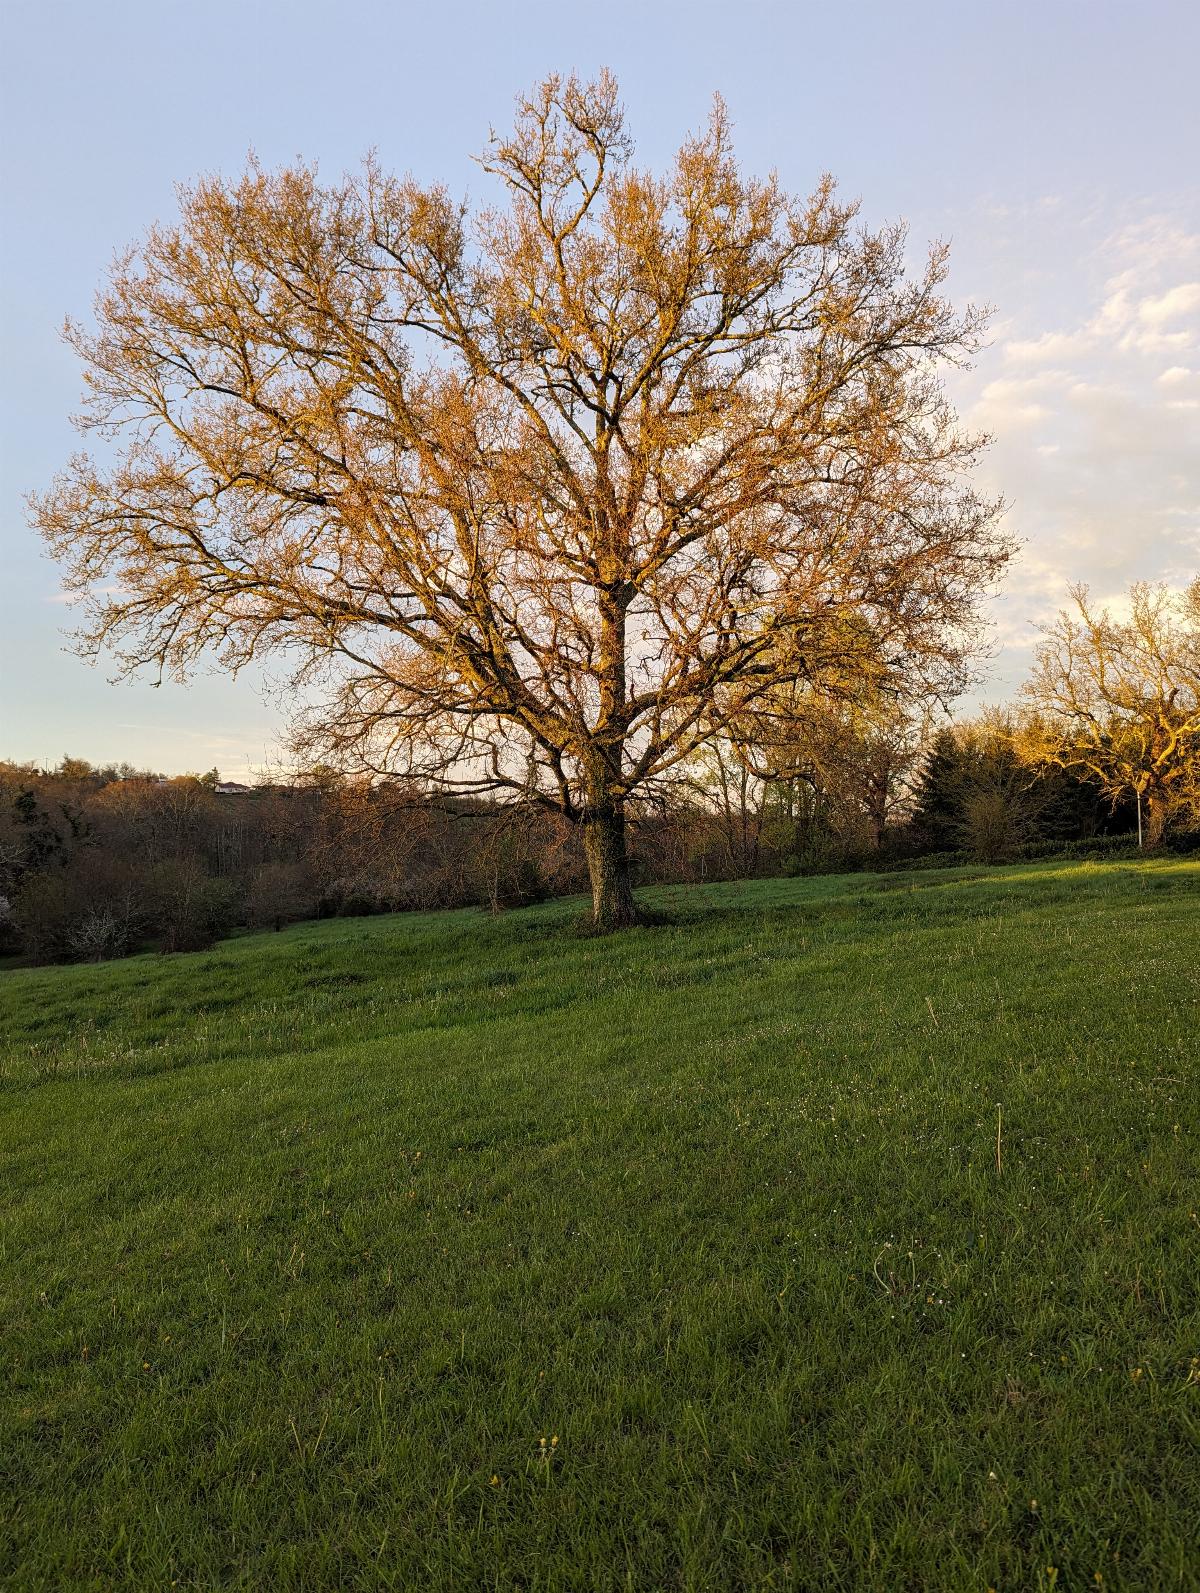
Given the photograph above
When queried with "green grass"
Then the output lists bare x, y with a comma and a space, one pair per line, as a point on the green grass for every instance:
311, 1240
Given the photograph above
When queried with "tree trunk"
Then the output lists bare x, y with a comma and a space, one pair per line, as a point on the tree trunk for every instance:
1156, 818
613, 906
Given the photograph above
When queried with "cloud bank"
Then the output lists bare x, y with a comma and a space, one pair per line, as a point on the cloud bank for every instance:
1096, 422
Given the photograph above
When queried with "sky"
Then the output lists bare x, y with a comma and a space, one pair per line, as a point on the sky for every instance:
1055, 144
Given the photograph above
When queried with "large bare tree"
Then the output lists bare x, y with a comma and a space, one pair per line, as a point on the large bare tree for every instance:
538, 491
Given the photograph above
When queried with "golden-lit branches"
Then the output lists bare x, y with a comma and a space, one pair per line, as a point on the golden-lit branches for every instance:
1120, 700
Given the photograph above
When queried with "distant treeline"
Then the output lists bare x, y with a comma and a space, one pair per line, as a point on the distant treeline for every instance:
100, 862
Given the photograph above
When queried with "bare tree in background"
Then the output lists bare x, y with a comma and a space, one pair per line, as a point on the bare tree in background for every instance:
1120, 699
855, 748
541, 494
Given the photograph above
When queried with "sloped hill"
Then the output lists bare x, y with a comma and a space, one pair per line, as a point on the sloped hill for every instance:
838, 1233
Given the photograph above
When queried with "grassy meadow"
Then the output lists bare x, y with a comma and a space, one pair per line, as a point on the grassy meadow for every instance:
833, 1234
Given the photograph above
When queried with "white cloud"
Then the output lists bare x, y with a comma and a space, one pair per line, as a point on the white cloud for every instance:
1055, 346
1149, 324
1176, 303
1155, 342
1116, 311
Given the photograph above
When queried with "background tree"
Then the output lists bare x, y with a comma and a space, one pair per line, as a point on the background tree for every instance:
537, 494
977, 793
860, 747
1120, 699
833, 764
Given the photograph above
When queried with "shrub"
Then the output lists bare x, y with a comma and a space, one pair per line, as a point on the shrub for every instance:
504, 872
904, 865
188, 908
94, 909
991, 826
280, 893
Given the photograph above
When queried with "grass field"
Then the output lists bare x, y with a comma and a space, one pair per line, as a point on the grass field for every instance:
840, 1233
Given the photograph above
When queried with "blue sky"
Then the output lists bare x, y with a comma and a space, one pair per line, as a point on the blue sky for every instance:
1055, 144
